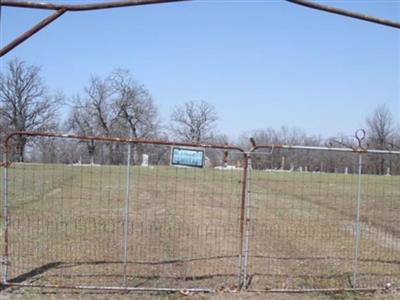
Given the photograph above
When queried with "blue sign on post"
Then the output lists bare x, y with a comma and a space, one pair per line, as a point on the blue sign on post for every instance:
187, 157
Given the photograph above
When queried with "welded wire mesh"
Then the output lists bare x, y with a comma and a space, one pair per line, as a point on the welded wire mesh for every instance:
66, 217
379, 253
80, 215
303, 231
78, 219
185, 226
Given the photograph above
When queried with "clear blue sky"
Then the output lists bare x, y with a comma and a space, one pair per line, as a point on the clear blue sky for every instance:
260, 63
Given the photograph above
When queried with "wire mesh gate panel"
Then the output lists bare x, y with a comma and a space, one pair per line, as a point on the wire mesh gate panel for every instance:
95, 212
85, 217
316, 223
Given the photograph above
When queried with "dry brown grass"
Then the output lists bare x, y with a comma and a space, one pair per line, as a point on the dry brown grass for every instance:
27, 294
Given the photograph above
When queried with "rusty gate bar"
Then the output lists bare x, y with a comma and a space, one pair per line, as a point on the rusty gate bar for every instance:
116, 139
83, 6
39, 26
346, 13
60, 9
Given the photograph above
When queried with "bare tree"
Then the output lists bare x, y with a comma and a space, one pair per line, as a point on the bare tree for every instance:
281, 159
137, 115
380, 129
115, 105
93, 114
134, 105
194, 121
81, 122
25, 104
99, 102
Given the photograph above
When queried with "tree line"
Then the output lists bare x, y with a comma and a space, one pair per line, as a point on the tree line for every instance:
117, 105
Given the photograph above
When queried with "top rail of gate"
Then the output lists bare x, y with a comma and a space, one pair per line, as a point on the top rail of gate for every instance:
359, 146
318, 148
118, 139
254, 146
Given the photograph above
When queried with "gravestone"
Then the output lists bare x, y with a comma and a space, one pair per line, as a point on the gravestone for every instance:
145, 160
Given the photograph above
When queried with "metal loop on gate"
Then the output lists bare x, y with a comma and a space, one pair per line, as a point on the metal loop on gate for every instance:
360, 137
359, 145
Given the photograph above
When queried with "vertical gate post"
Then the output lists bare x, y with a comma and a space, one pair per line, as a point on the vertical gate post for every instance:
357, 224
126, 212
5, 260
247, 224
242, 219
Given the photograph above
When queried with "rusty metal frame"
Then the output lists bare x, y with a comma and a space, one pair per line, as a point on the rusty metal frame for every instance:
346, 13
6, 216
60, 9
83, 7
27, 34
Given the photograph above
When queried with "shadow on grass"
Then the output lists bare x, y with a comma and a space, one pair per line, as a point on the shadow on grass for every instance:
40, 272
31, 274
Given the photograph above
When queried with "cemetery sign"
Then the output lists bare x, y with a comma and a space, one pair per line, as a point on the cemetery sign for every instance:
187, 157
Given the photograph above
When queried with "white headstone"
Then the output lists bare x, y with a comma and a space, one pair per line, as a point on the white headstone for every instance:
145, 160
388, 172
346, 170
283, 163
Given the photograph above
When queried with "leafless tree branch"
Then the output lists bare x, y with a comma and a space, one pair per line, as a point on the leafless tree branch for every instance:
194, 121
25, 103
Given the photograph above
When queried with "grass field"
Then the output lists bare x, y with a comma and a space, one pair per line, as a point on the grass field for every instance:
67, 225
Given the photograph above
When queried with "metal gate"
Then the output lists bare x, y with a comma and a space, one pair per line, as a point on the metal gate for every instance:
97, 216
322, 218
89, 212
